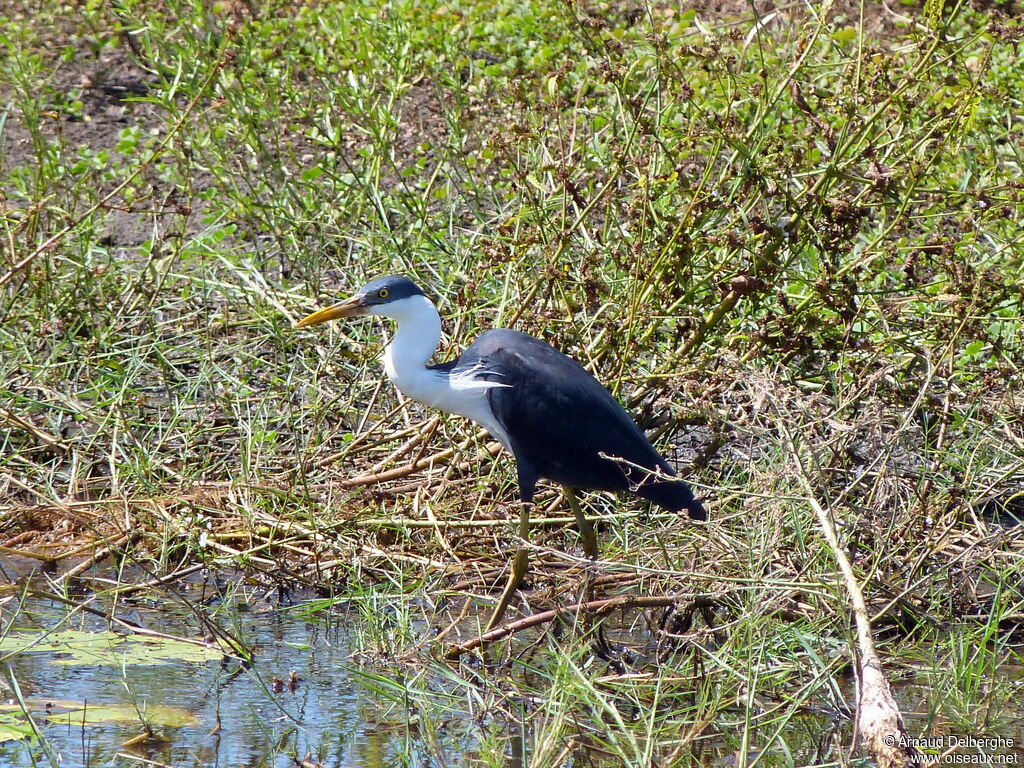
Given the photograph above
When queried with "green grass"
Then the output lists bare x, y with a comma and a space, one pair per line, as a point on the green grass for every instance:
812, 220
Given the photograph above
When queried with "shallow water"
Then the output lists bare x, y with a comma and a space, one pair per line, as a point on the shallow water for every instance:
236, 714
302, 701
322, 716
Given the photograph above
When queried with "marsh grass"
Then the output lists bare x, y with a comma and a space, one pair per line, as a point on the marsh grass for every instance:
805, 222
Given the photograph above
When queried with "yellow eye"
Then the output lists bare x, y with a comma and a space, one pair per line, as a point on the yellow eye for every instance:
383, 293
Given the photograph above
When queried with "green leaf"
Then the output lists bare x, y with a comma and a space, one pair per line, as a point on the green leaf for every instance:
845, 35
312, 174
13, 728
106, 648
90, 714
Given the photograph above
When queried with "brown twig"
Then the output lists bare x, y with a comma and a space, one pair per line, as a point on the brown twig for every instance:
596, 607
40, 435
879, 722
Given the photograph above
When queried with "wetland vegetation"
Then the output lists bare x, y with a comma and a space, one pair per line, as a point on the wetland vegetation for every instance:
787, 235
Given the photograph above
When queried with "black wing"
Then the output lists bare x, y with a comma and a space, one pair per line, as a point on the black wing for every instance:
558, 417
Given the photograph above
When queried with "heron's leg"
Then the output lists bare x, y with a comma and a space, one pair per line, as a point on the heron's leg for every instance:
589, 541
521, 561
587, 535
520, 565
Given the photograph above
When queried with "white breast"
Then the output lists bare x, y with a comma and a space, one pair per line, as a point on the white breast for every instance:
405, 358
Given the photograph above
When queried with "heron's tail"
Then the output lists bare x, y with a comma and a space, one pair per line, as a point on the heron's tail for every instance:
675, 496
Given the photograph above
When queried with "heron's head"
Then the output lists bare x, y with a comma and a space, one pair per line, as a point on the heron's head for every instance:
383, 296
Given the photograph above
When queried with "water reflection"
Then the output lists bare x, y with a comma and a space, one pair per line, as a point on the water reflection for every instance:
240, 716
303, 702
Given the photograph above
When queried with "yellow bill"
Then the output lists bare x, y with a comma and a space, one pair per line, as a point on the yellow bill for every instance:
352, 307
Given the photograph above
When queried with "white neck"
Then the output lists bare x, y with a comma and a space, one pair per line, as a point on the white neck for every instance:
417, 335
415, 342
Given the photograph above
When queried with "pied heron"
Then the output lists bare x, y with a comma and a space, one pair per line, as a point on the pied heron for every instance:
553, 416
